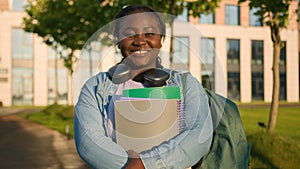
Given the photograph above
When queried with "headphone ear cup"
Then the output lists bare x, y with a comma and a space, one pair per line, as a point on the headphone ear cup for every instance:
155, 77
119, 73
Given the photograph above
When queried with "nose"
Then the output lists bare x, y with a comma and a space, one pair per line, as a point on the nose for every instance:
139, 40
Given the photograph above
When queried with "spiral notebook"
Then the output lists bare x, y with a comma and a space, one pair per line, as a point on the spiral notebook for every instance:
169, 92
144, 119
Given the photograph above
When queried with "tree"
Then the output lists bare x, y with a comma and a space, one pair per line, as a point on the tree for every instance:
274, 14
70, 23
66, 24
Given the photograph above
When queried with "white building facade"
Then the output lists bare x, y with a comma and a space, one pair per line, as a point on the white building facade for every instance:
235, 51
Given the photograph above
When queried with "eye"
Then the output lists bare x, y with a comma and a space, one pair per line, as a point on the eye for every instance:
149, 34
129, 34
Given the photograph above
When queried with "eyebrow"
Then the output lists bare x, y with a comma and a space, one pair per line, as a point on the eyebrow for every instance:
144, 28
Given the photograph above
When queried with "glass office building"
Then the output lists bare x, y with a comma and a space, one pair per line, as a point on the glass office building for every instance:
229, 51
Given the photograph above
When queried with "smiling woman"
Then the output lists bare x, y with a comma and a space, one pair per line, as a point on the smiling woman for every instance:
140, 41
138, 33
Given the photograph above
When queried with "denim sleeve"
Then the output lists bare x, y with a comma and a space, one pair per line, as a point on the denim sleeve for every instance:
187, 148
92, 143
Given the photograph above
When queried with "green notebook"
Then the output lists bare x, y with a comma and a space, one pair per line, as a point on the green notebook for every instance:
168, 92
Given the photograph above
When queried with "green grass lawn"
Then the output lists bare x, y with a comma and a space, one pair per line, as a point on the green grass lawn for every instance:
280, 150
56, 117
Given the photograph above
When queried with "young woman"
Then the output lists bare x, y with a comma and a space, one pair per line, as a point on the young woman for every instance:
139, 32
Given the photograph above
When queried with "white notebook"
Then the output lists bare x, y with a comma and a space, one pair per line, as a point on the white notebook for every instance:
142, 124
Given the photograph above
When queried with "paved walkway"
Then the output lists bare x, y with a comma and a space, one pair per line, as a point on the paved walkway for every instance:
27, 145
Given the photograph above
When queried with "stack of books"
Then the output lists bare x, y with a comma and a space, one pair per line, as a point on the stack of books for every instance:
146, 117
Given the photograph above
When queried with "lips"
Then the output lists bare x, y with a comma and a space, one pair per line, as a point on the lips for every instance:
140, 53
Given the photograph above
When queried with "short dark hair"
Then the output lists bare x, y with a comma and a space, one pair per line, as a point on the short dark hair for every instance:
133, 9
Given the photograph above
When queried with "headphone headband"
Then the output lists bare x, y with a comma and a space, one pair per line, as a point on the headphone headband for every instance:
154, 77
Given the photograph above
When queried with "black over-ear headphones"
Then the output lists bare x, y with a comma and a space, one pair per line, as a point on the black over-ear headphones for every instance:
154, 77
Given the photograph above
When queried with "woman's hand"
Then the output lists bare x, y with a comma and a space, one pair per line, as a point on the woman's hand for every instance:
135, 161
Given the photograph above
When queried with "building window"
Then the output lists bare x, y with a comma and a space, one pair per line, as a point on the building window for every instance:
91, 55
233, 68
257, 52
60, 91
207, 52
18, 5
22, 86
233, 51
57, 79
22, 44
22, 67
232, 15
257, 74
282, 70
283, 54
233, 85
254, 19
207, 18
180, 58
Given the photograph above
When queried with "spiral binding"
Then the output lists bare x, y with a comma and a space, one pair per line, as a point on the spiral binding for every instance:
181, 116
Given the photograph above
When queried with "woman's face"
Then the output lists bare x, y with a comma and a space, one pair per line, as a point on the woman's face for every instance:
140, 40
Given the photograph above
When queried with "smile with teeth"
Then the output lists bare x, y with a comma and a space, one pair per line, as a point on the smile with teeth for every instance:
140, 52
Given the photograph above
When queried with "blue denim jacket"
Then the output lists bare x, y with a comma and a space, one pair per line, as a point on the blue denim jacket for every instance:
96, 147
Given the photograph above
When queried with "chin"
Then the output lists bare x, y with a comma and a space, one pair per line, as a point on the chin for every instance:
139, 62
140, 65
